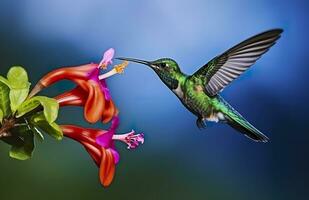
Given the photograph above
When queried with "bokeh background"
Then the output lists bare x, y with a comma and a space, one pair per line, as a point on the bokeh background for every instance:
177, 161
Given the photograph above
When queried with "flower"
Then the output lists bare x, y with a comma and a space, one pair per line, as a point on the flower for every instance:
100, 145
79, 97
91, 90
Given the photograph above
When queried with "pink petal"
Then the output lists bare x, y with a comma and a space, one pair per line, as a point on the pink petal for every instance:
107, 57
105, 90
115, 154
105, 140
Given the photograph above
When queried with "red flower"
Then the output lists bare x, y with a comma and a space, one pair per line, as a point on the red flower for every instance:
104, 109
100, 145
91, 92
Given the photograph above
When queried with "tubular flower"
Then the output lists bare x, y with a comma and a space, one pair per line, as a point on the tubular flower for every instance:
100, 145
79, 97
91, 88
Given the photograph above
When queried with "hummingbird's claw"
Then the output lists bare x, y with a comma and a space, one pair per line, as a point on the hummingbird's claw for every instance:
200, 123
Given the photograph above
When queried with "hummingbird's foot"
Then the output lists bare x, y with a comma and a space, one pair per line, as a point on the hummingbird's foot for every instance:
131, 139
200, 123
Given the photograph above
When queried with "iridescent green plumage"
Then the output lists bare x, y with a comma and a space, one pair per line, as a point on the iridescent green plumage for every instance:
199, 92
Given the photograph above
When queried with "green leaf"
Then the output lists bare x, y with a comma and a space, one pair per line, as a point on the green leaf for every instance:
39, 120
1, 116
5, 99
17, 97
19, 85
23, 151
18, 77
27, 106
50, 107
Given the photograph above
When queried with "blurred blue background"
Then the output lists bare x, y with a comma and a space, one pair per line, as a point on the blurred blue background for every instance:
177, 161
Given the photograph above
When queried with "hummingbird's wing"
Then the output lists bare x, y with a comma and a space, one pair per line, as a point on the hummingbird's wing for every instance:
223, 69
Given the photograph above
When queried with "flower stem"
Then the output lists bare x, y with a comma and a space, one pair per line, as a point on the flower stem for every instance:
6, 126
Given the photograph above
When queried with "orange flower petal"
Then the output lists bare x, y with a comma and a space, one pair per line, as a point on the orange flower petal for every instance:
108, 112
107, 168
95, 102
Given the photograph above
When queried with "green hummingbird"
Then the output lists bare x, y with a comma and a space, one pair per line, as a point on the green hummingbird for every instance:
199, 92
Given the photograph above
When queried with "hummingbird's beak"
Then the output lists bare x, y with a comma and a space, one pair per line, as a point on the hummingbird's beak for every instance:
137, 61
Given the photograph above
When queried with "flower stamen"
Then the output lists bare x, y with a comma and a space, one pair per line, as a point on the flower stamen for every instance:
131, 139
118, 69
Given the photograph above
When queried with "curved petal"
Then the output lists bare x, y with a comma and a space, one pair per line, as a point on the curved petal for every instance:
94, 152
95, 102
69, 73
109, 111
105, 140
105, 158
78, 97
115, 153
87, 138
107, 167
105, 90
107, 58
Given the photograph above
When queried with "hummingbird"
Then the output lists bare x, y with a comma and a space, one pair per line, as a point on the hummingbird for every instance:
200, 92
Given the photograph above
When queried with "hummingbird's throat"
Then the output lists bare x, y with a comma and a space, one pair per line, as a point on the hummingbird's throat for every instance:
169, 81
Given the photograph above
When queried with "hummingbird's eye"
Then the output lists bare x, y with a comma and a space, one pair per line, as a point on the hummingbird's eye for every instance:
163, 65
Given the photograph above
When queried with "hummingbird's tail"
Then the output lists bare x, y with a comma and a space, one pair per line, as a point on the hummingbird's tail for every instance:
238, 122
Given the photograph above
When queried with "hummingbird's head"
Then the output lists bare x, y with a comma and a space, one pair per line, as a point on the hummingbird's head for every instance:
166, 68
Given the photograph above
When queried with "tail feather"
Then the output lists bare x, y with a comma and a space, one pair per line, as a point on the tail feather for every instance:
238, 122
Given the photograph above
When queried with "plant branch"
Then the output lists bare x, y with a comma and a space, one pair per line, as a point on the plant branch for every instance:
6, 126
